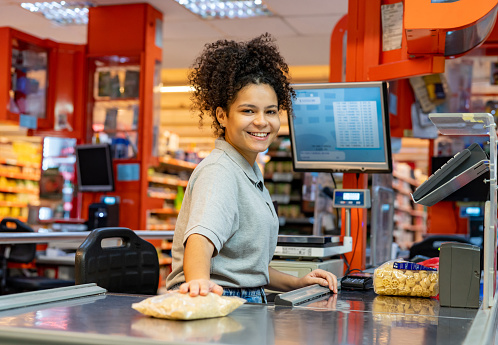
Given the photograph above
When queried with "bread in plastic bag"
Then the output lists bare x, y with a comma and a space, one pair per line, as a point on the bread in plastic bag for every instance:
401, 278
179, 306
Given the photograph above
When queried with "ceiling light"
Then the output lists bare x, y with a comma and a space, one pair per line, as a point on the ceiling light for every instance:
210, 9
63, 13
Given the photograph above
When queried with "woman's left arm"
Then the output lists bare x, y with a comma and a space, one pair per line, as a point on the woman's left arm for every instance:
280, 281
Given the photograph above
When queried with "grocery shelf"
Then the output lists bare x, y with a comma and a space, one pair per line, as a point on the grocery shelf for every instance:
21, 176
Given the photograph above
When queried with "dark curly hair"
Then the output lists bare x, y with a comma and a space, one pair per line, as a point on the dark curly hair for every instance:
225, 67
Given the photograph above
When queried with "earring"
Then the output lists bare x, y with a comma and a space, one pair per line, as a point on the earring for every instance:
222, 126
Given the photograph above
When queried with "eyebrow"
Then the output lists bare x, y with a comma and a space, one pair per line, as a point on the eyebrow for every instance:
253, 106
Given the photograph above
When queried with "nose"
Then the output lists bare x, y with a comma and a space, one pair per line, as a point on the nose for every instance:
260, 119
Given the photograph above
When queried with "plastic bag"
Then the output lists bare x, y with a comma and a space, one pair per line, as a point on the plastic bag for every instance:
389, 310
401, 278
178, 306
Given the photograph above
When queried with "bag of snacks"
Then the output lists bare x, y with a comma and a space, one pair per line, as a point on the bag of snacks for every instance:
181, 306
401, 278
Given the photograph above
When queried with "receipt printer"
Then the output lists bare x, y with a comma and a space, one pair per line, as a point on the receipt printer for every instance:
459, 275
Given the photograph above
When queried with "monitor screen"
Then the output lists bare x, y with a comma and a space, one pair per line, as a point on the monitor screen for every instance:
94, 168
341, 127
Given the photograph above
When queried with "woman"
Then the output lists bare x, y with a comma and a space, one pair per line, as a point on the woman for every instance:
226, 232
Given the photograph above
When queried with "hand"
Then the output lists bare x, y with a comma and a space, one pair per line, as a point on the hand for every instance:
320, 277
329, 304
200, 287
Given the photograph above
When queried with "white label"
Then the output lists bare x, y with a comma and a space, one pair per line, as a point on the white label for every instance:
392, 26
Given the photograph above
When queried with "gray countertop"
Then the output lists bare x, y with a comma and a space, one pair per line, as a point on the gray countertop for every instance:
345, 318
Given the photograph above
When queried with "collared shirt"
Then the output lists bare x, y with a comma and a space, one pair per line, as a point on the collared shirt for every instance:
227, 202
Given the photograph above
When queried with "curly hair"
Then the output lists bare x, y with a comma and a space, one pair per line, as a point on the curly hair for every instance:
225, 67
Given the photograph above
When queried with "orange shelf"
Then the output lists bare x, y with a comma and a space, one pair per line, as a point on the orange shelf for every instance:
167, 180
165, 196
21, 176
170, 211
177, 162
19, 190
13, 204
19, 163
165, 227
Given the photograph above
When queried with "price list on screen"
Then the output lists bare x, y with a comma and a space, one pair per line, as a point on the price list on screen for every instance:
356, 124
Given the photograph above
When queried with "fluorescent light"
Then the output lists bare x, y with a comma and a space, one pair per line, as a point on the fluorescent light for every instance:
63, 13
210, 9
176, 88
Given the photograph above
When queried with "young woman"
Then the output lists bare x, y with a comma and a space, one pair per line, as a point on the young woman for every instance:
226, 232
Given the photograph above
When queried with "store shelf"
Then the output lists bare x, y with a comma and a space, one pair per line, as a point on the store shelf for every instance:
411, 181
177, 163
21, 176
19, 163
167, 211
19, 190
283, 154
161, 227
167, 180
164, 196
13, 204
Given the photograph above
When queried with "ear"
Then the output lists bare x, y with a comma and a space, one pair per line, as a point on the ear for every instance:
221, 116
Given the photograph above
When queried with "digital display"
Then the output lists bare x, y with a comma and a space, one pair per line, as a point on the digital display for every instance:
94, 168
341, 127
351, 196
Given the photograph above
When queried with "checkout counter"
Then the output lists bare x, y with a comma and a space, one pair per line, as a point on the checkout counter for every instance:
350, 317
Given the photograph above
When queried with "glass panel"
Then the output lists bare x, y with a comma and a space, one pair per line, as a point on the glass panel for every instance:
462, 123
156, 108
116, 106
28, 79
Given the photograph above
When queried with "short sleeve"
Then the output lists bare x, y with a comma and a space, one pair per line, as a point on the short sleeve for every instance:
213, 205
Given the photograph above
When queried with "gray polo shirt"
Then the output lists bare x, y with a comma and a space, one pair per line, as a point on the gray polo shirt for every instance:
227, 202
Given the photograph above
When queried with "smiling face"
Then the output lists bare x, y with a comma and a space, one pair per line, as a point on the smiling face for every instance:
253, 120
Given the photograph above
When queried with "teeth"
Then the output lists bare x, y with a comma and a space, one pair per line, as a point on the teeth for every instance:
261, 135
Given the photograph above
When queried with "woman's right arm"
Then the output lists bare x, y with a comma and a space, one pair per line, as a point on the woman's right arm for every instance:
197, 265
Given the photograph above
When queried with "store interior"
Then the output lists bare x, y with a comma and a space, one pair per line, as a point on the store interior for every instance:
97, 131
39, 183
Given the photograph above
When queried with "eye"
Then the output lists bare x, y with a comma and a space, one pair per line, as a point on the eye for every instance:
248, 111
272, 112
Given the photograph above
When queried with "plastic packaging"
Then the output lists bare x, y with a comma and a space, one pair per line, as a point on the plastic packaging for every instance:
178, 306
401, 278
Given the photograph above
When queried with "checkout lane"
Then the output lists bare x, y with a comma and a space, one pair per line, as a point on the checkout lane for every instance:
350, 317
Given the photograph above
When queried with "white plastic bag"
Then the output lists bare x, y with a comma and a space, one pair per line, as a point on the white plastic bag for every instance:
178, 306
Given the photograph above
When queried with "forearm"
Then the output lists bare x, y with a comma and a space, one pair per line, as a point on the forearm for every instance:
197, 258
280, 281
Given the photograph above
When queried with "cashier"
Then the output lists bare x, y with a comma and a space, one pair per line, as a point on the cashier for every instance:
226, 232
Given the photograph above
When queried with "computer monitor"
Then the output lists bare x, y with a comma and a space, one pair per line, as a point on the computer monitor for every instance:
341, 127
94, 168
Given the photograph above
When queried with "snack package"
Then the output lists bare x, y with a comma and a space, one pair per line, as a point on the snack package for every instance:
178, 306
401, 278
388, 310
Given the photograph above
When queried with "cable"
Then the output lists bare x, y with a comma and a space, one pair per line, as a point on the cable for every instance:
355, 243
333, 180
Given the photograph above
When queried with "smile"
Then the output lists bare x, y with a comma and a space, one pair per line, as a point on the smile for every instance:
259, 135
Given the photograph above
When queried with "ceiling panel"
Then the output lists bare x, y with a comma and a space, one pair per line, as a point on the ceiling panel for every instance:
307, 7
314, 25
251, 27
301, 28
180, 30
